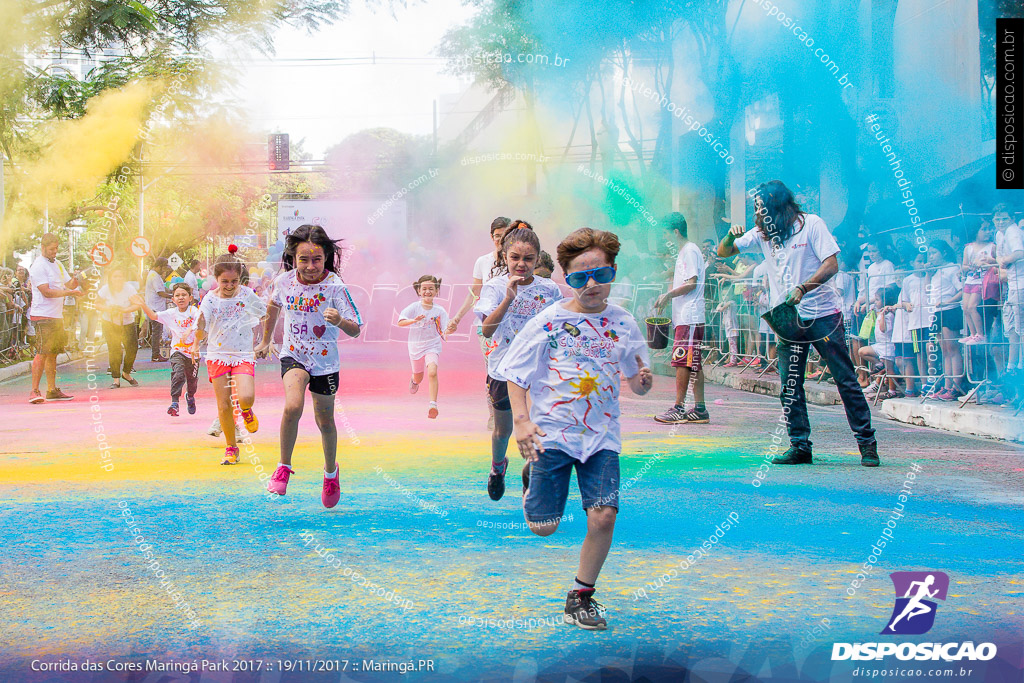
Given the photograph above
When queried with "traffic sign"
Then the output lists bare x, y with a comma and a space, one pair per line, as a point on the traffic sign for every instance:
174, 261
101, 254
139, 247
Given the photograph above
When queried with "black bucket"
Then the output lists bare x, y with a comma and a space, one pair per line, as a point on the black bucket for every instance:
785, 321
657, 332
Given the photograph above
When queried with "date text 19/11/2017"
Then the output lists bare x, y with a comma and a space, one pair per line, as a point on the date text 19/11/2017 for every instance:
285, 665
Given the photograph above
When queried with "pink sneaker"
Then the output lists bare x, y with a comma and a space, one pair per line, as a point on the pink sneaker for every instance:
279, 480
332, 491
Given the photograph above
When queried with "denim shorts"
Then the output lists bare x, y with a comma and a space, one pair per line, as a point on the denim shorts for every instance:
598, 479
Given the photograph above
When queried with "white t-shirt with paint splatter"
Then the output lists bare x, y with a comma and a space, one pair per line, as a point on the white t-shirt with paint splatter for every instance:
308, 338
571, 363
182, 326
229, 325
530, 300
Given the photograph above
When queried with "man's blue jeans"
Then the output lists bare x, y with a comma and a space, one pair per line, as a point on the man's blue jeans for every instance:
828, 337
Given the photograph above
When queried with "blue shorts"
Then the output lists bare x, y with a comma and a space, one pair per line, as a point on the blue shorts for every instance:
598, 479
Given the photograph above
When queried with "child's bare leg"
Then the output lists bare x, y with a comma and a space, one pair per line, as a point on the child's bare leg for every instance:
600, 527
432, 380
245, 390
323, 412
225, 407
295, 381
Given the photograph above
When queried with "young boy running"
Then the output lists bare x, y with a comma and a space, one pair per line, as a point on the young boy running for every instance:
570, 357
181, 320
688, 317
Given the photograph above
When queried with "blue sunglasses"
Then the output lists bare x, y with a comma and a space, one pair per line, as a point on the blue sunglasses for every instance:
602, 276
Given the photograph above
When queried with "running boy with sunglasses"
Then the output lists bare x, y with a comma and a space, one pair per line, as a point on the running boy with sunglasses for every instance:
570, 357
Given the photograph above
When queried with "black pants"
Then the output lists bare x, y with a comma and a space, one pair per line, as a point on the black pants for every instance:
183, 374
156, 337
828, 338
122, 347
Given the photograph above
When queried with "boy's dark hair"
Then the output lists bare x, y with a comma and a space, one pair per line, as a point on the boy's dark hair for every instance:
584, 239
427, 278
181, 285
942, 246
500, 223
545, 261
891, 295
318, 236
514, 236
675, 222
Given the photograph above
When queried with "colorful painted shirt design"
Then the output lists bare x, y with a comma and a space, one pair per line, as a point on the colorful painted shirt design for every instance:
424, 336
308, 338
229, 325
571, 363
530, 300
182, 325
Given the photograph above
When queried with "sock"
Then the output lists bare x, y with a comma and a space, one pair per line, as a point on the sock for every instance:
499, 468
578, 585
331, 475
281, 464
700, 407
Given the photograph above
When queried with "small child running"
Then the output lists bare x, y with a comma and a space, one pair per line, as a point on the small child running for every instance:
230, 312
571, 357
316, 304
181, 321
427, 322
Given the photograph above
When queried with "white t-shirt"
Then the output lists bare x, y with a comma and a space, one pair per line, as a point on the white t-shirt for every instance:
193, 282
795, 263
974, 273
482, 267
881, 274
182, 326
154, 285
229, 325
1013, 240
883, 343
119, 299
759, 279
943, 286
308, 338
688, 309
846, 287
51, 273
730, 320
530, 300
915, 292
571, 363
901, 321
425, 335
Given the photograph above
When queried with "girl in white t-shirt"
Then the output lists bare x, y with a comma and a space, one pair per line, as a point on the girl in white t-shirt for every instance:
427, 322
227, 317
979, 257
317, 305
883, 350
945, 291
507, 302
481, 274
730, 324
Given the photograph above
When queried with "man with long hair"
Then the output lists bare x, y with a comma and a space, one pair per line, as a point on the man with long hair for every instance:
801, 254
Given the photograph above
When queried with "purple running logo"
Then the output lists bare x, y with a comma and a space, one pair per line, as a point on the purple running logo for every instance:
914, 611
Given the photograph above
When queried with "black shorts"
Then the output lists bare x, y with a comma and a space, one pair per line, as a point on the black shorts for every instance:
497, 390
49, 335
952, 319
325, 385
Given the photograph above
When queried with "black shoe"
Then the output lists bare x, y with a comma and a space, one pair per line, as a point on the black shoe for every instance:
581, 609
496, 482
869, 455
794, 456
526, 477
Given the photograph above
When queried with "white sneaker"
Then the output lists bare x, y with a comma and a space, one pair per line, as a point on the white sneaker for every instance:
215, 429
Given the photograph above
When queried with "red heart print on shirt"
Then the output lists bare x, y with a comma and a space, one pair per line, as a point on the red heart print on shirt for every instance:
319, 330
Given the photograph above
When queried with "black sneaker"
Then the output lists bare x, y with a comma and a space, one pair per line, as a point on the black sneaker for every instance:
869, 455
794, 456
190, 401
674, 415
496, 482
697, 416
581, 609
526, 477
